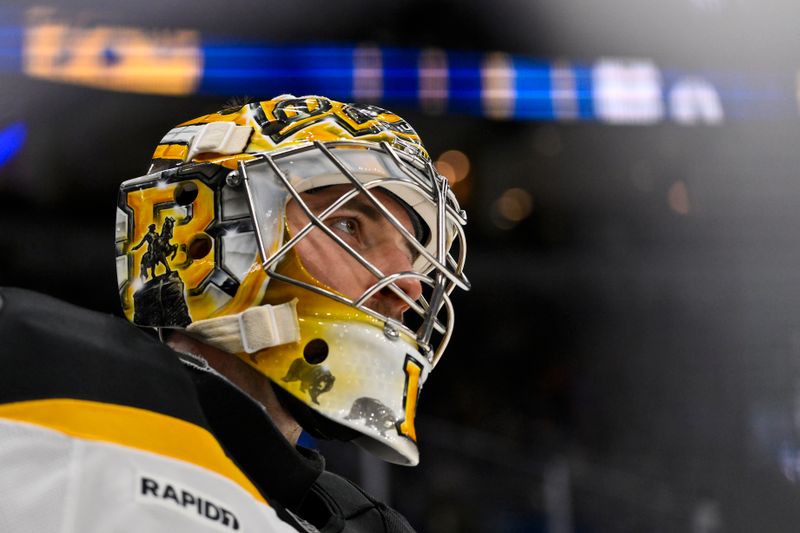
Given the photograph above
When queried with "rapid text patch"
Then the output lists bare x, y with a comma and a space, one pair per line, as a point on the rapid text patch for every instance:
157, 490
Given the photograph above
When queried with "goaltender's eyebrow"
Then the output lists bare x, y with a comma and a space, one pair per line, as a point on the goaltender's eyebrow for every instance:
364, 206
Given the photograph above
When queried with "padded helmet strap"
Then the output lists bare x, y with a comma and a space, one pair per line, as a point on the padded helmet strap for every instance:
250, 331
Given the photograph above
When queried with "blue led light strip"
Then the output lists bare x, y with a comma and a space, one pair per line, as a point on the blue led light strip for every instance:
493, 85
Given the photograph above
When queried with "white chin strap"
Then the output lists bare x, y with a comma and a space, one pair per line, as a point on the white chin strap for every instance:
250, 331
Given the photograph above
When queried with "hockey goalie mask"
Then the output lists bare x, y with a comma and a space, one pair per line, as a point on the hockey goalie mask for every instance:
311, 238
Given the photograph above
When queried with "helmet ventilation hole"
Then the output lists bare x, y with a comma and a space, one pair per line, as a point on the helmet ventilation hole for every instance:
199, 246
185, 193
316, 351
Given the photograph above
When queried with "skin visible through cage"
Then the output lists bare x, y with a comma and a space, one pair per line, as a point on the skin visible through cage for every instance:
366, 230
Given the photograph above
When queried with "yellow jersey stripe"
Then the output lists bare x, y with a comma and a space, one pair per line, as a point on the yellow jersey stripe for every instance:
132, 427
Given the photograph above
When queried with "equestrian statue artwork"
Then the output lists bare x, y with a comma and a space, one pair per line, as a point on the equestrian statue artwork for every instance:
158, 248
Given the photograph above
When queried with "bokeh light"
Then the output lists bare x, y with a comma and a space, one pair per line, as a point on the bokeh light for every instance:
678, 198
512, 207
454, 165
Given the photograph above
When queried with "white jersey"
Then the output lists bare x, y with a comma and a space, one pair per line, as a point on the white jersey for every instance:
54, 480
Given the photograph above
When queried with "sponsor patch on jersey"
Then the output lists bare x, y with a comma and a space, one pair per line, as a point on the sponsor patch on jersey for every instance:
156, 490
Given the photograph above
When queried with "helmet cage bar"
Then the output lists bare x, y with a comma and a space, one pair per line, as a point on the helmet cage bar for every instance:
458, 215
429, 314
459, 280
280, 253
268, 263
402, 160
389, 281
314, 221
403, 166
438, 262
439, 287
451, 261
271, 261
383, 280
443, 283
433, 308
447, 332
425, 347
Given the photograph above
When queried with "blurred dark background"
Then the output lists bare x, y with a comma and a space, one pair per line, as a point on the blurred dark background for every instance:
629, 357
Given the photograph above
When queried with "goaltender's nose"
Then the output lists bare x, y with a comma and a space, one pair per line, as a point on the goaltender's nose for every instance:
397, 259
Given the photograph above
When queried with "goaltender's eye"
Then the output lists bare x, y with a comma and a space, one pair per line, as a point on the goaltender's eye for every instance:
348, 225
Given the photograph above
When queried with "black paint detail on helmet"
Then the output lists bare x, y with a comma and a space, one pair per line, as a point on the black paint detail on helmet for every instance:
314, 379
270, 128
267, 127
235, 104
293, 110
160, 303
374, 414
159, 248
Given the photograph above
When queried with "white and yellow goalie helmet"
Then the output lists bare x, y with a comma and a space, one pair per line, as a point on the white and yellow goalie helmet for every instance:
203, 244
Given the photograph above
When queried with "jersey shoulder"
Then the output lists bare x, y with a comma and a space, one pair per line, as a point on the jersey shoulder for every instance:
53, 349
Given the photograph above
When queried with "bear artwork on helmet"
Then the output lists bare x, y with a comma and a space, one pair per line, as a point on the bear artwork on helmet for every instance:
235, 209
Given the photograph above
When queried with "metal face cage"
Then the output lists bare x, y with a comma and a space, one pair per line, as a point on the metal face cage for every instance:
272, 179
